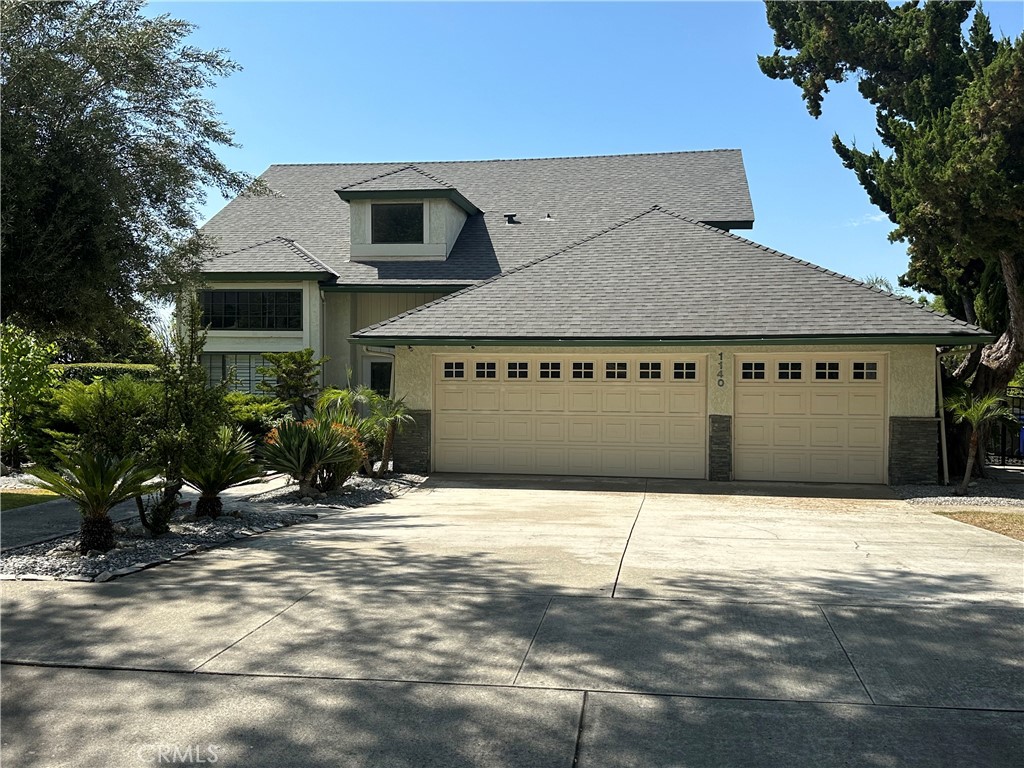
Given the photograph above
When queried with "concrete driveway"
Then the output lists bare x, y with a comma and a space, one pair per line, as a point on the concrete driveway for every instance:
495, 621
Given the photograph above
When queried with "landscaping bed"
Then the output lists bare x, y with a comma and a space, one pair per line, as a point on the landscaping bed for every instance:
136, 550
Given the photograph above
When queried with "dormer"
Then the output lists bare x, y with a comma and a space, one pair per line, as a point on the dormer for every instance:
404, 215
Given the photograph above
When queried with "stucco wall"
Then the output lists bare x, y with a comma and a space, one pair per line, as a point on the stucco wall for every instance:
272, 341
911, 370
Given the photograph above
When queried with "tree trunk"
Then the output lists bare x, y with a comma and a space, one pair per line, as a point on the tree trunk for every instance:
385, 453
97, 533
209, 506
971, 453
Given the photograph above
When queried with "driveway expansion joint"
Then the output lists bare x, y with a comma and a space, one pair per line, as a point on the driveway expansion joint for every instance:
532, 640
625, 549
579, 732
847, 655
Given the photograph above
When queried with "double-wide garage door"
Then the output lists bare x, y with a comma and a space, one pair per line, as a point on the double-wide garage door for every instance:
642, 416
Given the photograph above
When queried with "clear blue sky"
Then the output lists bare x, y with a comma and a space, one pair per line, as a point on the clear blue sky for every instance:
353, 82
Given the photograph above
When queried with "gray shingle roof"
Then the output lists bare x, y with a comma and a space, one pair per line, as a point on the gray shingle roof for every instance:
582, 194
659, 275
408, 178
278, 254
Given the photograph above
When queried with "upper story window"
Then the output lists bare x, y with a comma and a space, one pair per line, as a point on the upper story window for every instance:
396, 223
252, 310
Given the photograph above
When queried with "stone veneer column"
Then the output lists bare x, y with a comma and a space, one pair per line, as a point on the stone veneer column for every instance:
720, 448
412, 446
913, 450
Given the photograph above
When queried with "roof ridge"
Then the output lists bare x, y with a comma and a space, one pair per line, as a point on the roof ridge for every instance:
392, 172
432, 177
815, 267
513, 270
301, 252
309, 257
413, 163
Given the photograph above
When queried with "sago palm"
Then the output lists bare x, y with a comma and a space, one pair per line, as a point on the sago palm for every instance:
228, 462
96, 482
301, 449
980, 412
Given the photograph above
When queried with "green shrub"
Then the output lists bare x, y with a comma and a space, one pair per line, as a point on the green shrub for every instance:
255, 414
296, 379
86, 372
118, 416
26, 383
313, 453
228, 462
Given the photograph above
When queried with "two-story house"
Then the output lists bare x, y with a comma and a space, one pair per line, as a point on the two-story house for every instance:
589, 315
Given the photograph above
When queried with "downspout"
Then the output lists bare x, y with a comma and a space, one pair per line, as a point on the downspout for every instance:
939, 354
323, 333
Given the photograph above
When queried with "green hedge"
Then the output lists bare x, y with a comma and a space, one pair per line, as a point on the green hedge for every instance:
86, 372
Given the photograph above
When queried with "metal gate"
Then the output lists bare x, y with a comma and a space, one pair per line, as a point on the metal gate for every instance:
1006, 444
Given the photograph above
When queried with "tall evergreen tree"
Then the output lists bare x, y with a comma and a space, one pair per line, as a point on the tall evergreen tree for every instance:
949, 109
106, 149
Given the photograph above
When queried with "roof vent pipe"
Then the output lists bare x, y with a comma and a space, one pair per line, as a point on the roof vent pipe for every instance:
510, 218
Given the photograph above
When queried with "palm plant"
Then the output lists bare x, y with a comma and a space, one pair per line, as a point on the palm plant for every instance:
980, 412
390, 417
228, 462
303, 449
353, 407
96, 482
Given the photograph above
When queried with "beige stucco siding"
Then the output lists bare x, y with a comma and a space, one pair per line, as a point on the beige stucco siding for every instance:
911, 386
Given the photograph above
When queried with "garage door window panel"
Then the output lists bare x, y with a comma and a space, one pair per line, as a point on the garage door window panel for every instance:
752, 371
684, 371
650, 370
865, 371
455, 370
487, 370
616, 371
583, 370
790, 371
826, 371
550, 370
517, 370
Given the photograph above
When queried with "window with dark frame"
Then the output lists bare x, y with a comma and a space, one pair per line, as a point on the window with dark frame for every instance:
252, 310
790, 371
865, 371
583, 370
518, 370
826, 371
650, 370
616, 370
455, 370
487, 370
684, 371
396, 223
751, 371
550, 370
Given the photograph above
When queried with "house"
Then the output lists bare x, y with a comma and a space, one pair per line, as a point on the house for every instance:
581, 316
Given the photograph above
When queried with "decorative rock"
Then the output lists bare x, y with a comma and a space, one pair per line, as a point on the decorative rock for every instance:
307, 500
105, 576
94, 553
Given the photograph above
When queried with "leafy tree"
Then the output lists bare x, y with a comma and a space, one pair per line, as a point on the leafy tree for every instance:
979, 412
190, 412
108, 144
296, 379
26, 382
949, 110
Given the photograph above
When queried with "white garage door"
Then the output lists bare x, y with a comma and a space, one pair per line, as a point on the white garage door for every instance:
638, 416
810, 418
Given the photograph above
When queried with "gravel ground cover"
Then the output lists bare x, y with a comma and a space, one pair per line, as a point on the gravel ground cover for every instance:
136, 550
981, 493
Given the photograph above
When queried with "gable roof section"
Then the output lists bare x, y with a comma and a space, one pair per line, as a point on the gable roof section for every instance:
659, 276
408, 178
278, 255
581, 194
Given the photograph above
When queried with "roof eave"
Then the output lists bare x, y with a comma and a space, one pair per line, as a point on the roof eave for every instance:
929, 339
255, 277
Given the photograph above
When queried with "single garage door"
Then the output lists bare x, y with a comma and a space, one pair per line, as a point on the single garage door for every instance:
571, 415
814, 418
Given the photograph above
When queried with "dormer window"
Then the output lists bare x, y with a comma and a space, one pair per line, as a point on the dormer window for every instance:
396, 223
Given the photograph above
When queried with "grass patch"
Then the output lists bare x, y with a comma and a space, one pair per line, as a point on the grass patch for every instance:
1007, 523
24, 497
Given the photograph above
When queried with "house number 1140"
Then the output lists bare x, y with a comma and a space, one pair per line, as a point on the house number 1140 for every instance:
721, 370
